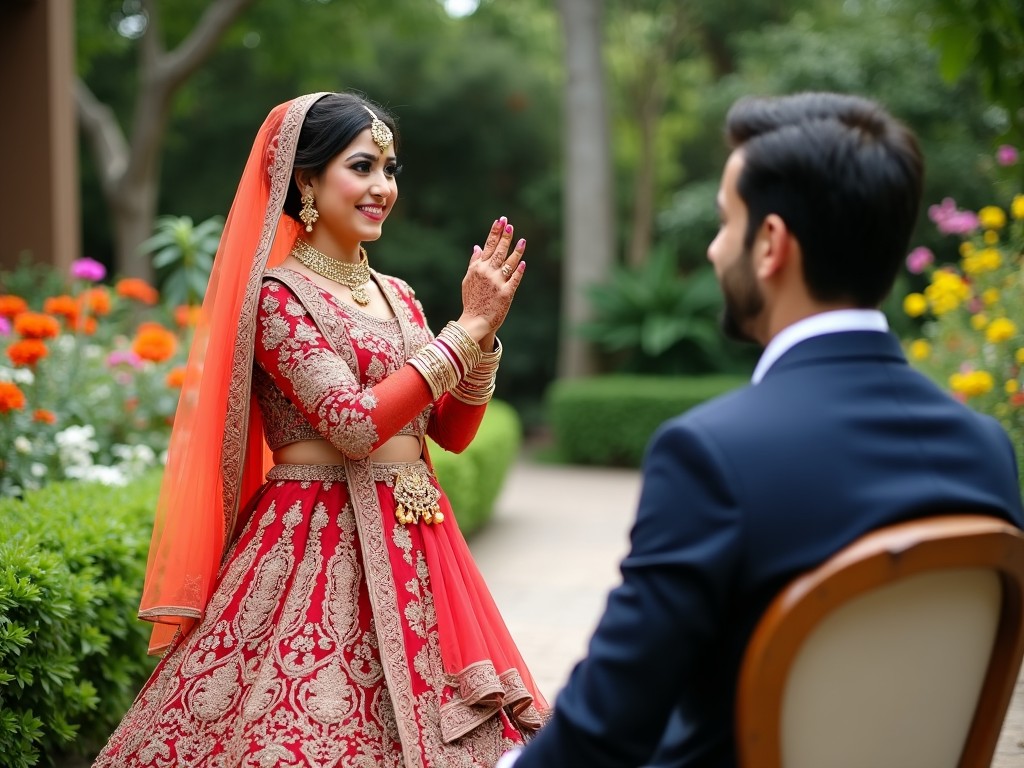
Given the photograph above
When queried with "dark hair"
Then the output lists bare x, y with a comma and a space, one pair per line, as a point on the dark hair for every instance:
846, 178
331, 124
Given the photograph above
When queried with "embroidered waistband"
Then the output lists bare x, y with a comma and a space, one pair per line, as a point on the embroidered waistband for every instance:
382, 472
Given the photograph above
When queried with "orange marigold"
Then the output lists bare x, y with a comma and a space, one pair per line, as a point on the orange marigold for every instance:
186, 315
175, 377
27, 351
11, 306
154, 342
86, 325
62, 306
36, 325
135, 288
96, 301
11, 398
44, 416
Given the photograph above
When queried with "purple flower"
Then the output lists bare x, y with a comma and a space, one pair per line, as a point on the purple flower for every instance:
123, 357
88, 269
5, 326
949, 220
919, 259
1007, 155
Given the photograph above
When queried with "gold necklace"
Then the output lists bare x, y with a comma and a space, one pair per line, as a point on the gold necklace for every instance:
352, 276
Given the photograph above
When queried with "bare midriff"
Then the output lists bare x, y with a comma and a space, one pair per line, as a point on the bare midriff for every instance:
398, 449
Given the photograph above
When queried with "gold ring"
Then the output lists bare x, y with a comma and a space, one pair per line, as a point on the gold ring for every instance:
506, 270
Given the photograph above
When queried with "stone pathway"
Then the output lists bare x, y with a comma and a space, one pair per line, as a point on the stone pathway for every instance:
551, 554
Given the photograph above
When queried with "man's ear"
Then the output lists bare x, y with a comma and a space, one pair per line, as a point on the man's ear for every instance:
773, 246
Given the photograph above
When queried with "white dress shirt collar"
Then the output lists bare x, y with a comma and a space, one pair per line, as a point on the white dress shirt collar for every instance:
836, 321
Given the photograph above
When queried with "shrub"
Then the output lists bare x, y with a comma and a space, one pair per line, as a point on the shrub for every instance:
72, 652
473, 479
608, 420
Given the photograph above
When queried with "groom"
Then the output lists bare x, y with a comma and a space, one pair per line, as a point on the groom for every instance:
835, 436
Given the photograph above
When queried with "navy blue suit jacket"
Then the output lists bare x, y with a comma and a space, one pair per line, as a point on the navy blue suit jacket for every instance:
739, 496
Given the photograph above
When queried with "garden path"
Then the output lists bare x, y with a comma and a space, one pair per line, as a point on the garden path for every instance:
551, 553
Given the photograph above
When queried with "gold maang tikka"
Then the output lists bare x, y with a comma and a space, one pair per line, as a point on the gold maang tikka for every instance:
379, 131
352, 276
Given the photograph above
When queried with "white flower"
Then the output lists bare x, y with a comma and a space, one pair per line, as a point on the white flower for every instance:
22, 444
98, 474
17, 375
37, 469
94, 352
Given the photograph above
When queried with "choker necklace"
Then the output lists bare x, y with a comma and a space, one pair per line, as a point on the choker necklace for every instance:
352, 276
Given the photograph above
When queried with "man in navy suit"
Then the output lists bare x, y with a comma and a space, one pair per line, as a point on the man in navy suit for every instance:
835, 436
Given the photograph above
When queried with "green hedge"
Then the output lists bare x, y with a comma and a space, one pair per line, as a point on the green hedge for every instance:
473, 479
72, 653
608, 420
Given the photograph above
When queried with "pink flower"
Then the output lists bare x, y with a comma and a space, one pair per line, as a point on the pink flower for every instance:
5, 326
123, 357
949, 220
919, 259
88, 269
1007, 155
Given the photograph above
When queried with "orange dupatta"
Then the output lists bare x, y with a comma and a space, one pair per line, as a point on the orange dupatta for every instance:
217, 457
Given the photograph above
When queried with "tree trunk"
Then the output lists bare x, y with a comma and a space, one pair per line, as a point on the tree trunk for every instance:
588, 209
130, 171
649, 110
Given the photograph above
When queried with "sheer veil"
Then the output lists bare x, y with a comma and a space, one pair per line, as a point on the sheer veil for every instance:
217, 456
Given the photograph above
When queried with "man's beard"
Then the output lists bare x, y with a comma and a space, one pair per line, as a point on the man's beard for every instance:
743, 298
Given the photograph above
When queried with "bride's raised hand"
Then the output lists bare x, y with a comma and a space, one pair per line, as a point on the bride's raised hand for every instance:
491, 280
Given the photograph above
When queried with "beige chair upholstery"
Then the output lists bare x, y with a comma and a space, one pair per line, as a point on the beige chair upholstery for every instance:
899, 652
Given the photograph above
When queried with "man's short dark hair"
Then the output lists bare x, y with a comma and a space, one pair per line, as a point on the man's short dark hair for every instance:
846, 178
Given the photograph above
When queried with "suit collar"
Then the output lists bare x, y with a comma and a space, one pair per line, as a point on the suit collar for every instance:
835, 347
817, 325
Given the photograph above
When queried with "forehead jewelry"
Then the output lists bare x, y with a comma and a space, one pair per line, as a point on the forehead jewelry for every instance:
379, 131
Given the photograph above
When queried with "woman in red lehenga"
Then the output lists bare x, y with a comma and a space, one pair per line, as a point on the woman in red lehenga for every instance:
331, 614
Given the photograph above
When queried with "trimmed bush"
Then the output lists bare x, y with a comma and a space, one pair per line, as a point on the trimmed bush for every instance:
608, 420
72, 652
473, 479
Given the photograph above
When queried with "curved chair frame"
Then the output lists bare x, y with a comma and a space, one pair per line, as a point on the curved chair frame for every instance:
877, 559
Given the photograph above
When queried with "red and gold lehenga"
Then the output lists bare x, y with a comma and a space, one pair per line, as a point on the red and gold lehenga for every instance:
323, 632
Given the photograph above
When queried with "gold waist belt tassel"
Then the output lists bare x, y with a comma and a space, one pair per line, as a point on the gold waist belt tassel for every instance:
416, 499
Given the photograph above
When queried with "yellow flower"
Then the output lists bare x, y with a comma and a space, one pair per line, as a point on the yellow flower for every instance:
991, 237
1001, 329
920, 349
992, 217
990, 297
1011, 386
946, 291
1019, 356
966, 249
971, 384
915, 304
978, 321
1017, 207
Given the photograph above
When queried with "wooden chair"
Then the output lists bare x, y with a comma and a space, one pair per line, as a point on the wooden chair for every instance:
901, 651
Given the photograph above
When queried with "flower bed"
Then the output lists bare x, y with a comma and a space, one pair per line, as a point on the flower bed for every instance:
972, 310
89, 380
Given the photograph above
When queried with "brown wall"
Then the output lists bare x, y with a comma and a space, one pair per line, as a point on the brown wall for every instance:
39, 203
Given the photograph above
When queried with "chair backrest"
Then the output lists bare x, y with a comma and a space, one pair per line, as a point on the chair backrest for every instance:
901, 651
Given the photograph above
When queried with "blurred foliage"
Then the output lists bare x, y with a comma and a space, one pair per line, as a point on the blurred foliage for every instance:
182, 254
985, 37
478, 102
651, 319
